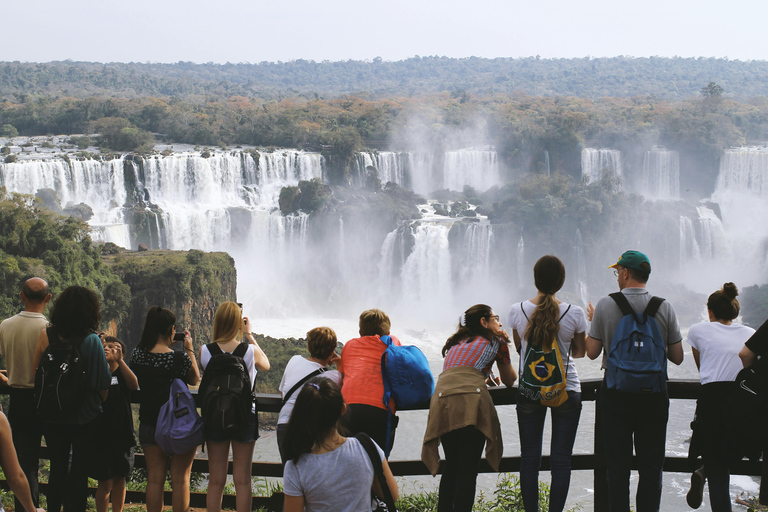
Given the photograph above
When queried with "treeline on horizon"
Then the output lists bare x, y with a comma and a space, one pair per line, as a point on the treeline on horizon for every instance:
661, 77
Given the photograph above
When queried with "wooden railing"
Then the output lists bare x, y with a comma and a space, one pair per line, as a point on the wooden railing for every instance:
678, 389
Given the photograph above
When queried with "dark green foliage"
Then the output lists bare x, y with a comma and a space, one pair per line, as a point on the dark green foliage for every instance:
289, 200
8, 130
119, 134
36, 242
191, 284
464, 78
81, 141
314, 194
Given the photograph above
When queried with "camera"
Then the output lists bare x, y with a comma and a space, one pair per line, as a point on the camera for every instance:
179, 336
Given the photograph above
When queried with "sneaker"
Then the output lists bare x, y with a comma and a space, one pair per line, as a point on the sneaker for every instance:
696, 494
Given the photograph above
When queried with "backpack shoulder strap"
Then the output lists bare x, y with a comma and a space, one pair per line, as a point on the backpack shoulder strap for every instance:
214, 349
378, 468
623, 303
299, 384
523, 310
241, 350
653, 306
564, 313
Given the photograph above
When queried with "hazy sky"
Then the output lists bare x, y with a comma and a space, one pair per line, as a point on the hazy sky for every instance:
255, 31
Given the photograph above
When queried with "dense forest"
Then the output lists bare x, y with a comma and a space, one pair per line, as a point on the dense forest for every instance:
519, 126
667, 78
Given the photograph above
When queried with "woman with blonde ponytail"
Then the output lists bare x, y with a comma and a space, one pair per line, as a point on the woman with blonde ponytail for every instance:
549, 334
716, 345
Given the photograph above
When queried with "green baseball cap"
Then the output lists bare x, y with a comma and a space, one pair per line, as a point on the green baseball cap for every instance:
633, 259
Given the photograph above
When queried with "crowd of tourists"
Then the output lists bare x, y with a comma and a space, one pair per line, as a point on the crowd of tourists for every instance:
71, 384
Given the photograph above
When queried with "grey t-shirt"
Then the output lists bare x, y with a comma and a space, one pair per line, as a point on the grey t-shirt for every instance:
337, 481
607, 316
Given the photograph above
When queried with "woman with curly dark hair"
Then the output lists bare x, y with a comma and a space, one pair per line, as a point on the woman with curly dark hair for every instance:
74, 319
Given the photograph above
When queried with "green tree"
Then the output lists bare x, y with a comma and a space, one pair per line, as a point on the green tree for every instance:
8, 130
119, 134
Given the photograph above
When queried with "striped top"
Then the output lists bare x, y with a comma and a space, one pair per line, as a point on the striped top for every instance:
478, 353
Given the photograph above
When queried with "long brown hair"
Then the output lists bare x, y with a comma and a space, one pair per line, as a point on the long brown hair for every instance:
471, 327
549, 276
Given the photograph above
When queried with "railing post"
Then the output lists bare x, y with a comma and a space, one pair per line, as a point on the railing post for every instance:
600, 476
764, 481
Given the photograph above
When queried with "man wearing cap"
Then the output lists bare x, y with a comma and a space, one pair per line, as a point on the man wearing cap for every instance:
18, 338
642, 416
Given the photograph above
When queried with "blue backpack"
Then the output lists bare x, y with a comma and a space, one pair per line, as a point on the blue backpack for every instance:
407, 379
637, 358
179, 427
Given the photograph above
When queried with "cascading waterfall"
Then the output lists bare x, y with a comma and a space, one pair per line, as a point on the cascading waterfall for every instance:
196, 197
426, 272
689, 247
595, 163
661, 174
388, 164
474, 258
742, 193
581, 267
99, 184
478, 168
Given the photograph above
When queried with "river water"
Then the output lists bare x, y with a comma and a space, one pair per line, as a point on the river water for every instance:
413, 423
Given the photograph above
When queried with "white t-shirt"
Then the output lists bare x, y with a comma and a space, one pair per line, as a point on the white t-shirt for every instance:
297, 368
575, 321
248, 358
719, 347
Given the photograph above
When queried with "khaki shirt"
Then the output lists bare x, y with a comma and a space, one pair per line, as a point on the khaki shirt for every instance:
18, 337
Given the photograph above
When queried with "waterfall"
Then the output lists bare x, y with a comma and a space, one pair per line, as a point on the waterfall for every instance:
546, 162
478, 168
421, 169
581, 267
741, 193
744, 170
596, 163
661, 174
195, 195
388, 164
475, 252
689, 247
426, 273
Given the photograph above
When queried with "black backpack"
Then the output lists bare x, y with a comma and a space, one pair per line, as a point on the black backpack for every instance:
745, 421
226, 391
60, 378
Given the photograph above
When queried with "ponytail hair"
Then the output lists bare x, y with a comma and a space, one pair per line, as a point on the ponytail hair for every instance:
159, 322
723, 303
549, 276
317, 410
470, 327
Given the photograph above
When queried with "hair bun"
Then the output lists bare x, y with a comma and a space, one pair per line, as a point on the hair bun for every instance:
730, 290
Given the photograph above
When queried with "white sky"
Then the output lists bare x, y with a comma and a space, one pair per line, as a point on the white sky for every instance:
255, 30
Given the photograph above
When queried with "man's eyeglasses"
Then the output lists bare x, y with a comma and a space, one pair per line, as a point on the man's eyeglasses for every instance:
616, 272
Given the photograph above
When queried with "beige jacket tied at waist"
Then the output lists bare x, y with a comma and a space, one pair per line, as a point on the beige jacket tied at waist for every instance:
461, 399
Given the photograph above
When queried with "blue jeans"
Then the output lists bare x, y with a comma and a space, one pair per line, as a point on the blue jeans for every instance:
641, 418
565, 421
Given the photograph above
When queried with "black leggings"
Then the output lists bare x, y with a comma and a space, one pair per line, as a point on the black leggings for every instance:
463, 451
